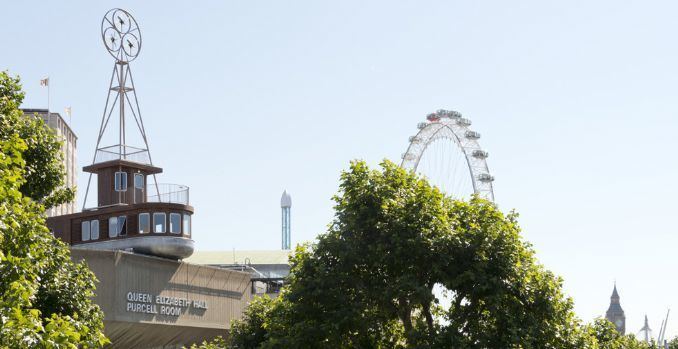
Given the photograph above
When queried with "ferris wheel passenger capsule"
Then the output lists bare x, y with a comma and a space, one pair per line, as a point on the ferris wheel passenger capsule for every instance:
432, 117
480, 154
421, 125
472, 135
463, 122
485, 177
414, 139
407, 156
453, 114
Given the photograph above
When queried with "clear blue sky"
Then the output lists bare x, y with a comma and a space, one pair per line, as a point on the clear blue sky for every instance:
576, 102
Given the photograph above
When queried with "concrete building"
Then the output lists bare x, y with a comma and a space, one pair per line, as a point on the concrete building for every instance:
137, 232
134, 240
69, 149
267, 269
152, 302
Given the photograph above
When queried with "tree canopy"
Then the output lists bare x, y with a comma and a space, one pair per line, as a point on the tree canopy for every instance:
43, 170
45, 298
404, 266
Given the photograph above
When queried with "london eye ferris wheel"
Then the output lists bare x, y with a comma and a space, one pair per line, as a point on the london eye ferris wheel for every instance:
446, 151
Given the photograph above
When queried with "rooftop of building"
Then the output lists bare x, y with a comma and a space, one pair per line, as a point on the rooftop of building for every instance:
234, 257
43, 112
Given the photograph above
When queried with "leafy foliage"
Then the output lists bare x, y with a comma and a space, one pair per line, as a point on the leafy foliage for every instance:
673, 344
43, 169
607, 337
375, 278
45, 298
217, 343
249, 332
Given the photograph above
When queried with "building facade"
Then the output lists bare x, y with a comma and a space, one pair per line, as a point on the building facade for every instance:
69, 150
151, 302
267, 269
615, 313
137, 232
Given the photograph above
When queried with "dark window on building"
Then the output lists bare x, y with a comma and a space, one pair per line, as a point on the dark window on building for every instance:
117, 226
121, 181
187, 225
159, 222
175, 223
138, 181
113, 227
144, 223
122, 225
94, 229
85, 231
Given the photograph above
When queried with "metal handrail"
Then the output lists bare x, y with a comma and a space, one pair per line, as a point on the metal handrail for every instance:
166, 192
122, 152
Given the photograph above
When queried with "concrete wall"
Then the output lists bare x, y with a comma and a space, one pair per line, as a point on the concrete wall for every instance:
134, 292
69, 150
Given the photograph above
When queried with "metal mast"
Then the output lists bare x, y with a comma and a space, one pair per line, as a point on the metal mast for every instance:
662, 331
122, 38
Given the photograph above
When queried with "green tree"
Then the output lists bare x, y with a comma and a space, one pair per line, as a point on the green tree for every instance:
370, 280
250, 332
45, 298
43, 169
216, 343
607, 337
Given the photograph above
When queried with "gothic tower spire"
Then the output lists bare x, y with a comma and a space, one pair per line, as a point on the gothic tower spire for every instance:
615, 313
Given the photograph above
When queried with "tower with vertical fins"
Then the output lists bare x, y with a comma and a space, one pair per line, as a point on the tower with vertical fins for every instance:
286, 206
645, 333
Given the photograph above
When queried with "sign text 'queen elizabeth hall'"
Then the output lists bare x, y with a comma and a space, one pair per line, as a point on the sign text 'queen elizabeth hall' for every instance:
138, 302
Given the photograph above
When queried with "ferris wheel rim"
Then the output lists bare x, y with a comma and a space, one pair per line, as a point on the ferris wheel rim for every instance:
449, 122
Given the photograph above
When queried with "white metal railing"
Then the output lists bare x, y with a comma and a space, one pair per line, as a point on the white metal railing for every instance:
164, 192
122, 152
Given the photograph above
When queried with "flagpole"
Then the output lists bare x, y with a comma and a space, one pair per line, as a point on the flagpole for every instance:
68, 112
48, 115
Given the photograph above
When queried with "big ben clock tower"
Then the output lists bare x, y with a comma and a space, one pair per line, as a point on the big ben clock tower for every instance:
615, 313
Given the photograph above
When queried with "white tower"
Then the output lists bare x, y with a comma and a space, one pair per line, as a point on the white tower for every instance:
645, 333
286, 205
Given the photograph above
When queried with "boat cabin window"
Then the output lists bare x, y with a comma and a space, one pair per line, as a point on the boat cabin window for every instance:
187, 225
117, 226
122, 225
94, 229
144, 223
85, 231
112, 227
159, 222
138, 181
121, 181
175, 223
